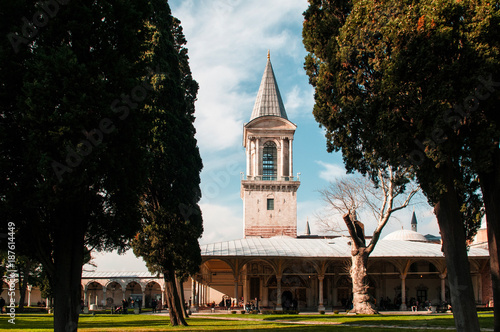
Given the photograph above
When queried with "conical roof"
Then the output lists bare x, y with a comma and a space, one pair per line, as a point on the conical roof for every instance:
413, 219
268, 100
308, 229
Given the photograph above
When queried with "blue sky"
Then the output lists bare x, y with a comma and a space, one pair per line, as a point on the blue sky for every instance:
228, 42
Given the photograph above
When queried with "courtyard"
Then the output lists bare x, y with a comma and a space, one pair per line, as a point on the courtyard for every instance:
250, 322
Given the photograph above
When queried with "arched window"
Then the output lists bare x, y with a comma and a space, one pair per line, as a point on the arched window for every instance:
269, 164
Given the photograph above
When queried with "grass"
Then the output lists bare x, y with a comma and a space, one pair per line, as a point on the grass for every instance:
313, 323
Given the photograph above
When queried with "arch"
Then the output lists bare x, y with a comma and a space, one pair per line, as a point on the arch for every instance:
114, 292
92, 284
255, 264
114, 281
134, 286
152, 292
301, 266
269, 161
382, 266
423, 266
95, 293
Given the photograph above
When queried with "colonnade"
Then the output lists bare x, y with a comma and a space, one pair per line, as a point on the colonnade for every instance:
314, 275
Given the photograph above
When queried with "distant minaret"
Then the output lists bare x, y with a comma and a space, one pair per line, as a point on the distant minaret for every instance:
414, 222
308, 229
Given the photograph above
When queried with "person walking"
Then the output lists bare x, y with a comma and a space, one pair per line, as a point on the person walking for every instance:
153, 305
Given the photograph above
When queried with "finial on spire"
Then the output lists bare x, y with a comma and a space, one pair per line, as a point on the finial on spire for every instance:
268, 55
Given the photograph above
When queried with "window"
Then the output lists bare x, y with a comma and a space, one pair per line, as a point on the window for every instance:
270, 203
269, 167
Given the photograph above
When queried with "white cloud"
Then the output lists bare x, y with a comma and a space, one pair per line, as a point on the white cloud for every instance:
114, 262
228, 42
299, 101
220, 223
330, 172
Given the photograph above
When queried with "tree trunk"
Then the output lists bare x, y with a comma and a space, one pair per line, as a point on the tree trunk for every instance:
23, 284
490, 187
362, 302
454, 246
180, 288
174, 306
68, 261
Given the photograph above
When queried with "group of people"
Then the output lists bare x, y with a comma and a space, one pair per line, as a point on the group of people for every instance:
129, 303
154, 305
415, 304
225, 303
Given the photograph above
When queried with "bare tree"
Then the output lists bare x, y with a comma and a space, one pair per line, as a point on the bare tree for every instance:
386, 195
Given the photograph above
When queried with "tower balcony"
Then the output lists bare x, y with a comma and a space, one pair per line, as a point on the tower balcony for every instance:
269, 178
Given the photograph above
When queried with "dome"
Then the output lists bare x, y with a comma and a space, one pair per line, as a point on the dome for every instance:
406, 235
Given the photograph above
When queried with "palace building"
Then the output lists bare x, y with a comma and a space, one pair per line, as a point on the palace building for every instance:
274, 265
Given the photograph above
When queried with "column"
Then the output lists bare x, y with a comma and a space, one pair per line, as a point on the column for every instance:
335, 290
281, 168
443, 286
207, 293
290, 159
320, 300
249, 148
29, 295
476, 287
245, 289
198, 295
205, 300
163, 298
103, 296
265, 296
403, 292
193, 292
236, 290
278, 293
256, 171
261, 290
480, 289
199, 292
85, 297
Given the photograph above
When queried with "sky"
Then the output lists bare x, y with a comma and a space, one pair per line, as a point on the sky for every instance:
228, 41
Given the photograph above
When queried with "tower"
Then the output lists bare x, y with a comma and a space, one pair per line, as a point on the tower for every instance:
413, 222
269, 188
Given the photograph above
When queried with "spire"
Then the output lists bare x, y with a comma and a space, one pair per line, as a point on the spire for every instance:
413, 222
308, 230
268, 100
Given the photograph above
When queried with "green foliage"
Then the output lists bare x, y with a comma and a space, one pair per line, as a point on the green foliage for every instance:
65, 82
78, 123
172, 220
399, 82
